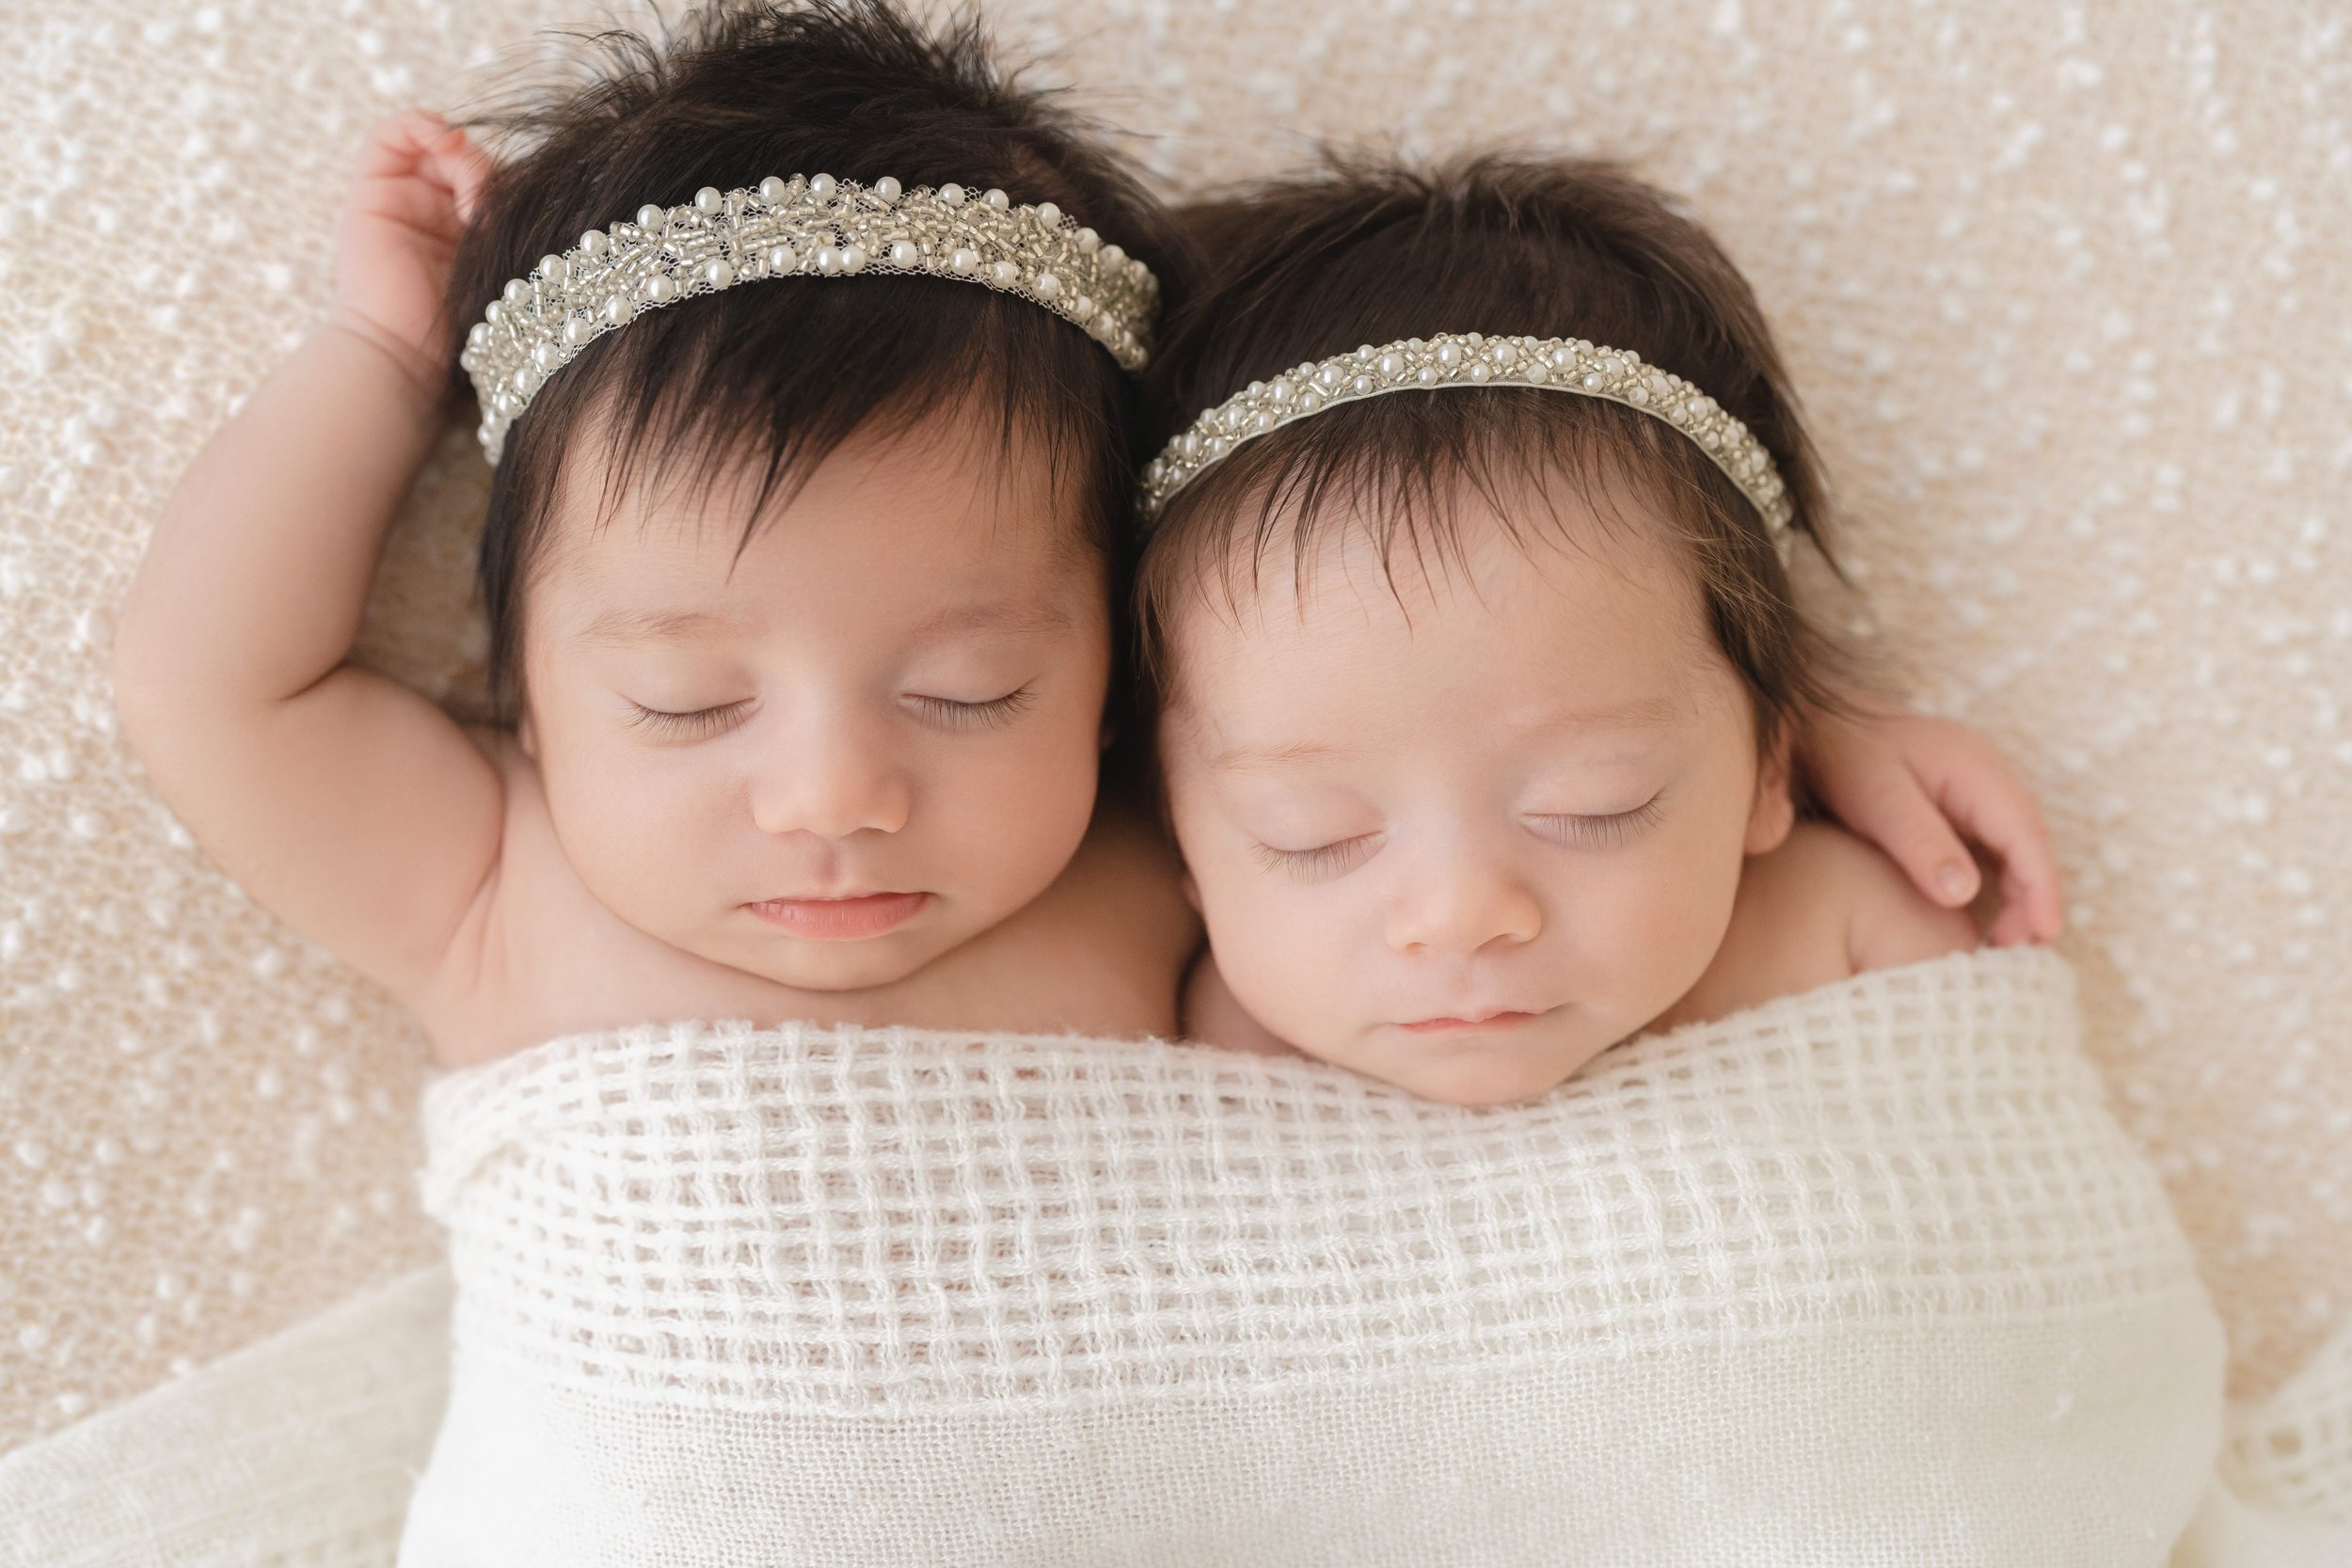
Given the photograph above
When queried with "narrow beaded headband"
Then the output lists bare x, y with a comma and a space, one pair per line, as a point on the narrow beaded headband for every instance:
811, 226
1473, 359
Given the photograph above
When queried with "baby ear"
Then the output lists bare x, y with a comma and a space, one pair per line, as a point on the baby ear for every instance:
1775, 811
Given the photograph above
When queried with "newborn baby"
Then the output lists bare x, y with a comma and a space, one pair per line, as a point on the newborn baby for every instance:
1475, 648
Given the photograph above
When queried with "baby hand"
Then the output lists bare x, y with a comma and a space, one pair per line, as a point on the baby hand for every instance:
417, 182
1914, 787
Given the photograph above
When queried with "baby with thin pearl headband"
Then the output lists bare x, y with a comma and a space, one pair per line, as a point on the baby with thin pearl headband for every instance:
1467, 600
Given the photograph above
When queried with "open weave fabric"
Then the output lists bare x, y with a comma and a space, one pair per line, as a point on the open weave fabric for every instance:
1866, 1276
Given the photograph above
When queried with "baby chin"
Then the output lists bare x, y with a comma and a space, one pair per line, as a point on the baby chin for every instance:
1493, 1060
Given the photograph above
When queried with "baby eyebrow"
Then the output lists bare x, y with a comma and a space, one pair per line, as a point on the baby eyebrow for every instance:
654, 626
1243, 758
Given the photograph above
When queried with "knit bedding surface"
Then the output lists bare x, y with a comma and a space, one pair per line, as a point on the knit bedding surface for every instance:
1865, 1275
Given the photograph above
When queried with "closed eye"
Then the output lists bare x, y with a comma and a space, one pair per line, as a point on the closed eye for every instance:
1599, 830
701, 720
1321, 862
955, 715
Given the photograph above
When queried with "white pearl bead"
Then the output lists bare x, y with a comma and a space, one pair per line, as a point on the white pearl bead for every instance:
1089, 241
853, 258
1449, 355
1103, 325
772, 191
1426, 375
577, 331
1479, 372
963, 259
710, 202
782, 259
478, 336
1005, 273
1537, 372
1082, 308
594, 243
1047, 214
997, 198
1392, 365
1046, 286
554, 269
822, 187
526, 378
720, 273
652, 219
828, 259
905, 253
1594, 380
659, 287
1502, 353
618, 309
1327, 378
951, 194
545, 355
492, 311
886, 188
517, 291
1113, 255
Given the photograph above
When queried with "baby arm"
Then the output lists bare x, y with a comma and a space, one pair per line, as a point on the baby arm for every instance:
350, 806
1915, 786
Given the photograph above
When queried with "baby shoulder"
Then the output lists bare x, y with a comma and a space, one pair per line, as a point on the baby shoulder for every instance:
1827, 880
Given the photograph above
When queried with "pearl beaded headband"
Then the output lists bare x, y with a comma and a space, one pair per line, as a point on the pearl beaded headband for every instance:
1473, 359
815, 227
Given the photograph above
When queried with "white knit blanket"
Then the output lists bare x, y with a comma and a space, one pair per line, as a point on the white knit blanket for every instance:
1867, 1276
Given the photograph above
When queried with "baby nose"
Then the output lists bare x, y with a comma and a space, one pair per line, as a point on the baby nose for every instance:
1463, 907
831, 783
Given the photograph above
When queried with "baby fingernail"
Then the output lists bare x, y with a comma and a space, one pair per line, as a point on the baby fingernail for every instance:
1953, 878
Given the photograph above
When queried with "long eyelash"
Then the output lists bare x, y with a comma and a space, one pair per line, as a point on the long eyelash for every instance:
1307, 864
996, 710
663, 722
1613, 829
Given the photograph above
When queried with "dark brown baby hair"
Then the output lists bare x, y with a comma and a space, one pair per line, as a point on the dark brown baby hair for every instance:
780, 372
1365, 254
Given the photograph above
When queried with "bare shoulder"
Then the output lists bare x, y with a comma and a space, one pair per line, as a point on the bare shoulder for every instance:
1881, 918
1824, 907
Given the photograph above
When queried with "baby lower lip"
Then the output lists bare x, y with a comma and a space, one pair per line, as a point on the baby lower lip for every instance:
870, 914
1466, 1025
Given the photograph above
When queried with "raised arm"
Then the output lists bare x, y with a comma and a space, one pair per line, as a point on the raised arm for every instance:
353, 808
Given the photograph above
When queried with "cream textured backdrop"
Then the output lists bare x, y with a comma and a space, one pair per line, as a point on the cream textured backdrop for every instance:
2064, 287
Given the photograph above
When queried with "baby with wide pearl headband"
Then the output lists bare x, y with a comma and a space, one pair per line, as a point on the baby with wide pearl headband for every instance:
1482, 684
807, 382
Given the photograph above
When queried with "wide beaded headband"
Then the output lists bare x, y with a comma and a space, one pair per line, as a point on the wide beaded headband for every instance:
811, 226
1473, 359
